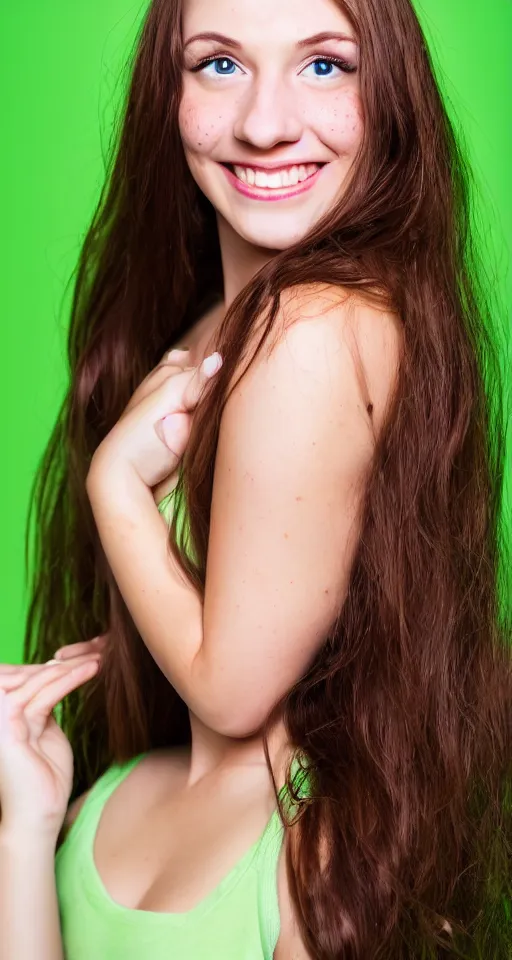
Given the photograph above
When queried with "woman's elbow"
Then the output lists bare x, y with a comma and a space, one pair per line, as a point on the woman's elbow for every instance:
239, 712
235, 716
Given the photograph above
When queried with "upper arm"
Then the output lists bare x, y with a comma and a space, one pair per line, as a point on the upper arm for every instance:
295, 445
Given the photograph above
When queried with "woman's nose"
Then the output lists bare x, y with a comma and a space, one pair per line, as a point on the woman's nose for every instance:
267, 116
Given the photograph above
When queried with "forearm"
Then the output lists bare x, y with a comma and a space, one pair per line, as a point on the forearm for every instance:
29, 914
165, 606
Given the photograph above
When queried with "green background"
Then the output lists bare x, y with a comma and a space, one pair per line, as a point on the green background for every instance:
59, 76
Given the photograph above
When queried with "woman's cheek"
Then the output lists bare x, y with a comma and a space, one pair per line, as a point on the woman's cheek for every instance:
340, 123
200, 128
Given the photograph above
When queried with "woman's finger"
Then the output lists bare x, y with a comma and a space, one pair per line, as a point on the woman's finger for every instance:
14, 675
50, 695
202, 374
211, 365
6, 669
9, 681
85, 646
24, 670
174, 429
24, 693
158, 375
178, 355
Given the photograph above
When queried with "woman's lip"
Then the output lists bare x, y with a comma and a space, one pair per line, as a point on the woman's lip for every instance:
270, 193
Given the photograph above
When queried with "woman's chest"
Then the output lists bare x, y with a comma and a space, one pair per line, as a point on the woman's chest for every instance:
169, 857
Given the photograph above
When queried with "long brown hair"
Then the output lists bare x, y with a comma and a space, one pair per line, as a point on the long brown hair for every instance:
405, 715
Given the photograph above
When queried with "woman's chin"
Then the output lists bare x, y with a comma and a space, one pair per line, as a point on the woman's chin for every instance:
271, 238
276, 230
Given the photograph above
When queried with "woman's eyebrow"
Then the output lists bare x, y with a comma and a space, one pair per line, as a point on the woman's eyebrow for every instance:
219, 37
327, 35
309, 41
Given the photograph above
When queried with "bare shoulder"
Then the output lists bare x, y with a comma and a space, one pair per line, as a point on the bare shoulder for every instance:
71, 814
75, 807
372, 333
378, 344
290, 945
149, 776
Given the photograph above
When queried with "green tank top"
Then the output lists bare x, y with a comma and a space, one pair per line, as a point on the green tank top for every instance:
238, 920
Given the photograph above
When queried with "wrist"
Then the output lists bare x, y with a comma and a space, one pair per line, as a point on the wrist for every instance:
27, 844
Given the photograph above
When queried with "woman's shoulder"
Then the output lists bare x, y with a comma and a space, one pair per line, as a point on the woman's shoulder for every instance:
151, 774
72, 812
327, 319
366, 315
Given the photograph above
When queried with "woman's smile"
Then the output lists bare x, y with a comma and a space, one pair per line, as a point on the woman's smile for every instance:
260, 183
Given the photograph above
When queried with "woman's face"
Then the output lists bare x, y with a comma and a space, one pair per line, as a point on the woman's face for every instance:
270, 115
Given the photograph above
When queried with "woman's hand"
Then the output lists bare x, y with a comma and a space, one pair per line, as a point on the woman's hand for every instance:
152, 434
36, 759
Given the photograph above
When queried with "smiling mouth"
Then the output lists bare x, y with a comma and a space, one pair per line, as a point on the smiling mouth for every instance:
274, 179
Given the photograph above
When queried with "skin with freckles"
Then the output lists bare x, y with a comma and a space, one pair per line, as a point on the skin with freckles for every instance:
268, 99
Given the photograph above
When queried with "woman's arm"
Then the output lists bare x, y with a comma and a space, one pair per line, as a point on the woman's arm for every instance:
29, 914
36, 777
295, 445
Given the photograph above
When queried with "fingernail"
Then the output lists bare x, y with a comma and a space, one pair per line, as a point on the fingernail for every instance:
212, 364
177, 350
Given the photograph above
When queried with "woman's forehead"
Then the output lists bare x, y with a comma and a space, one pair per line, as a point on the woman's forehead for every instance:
264, 22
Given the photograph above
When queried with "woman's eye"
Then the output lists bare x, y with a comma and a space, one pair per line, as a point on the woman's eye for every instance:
222, 67
322, 67
330, 67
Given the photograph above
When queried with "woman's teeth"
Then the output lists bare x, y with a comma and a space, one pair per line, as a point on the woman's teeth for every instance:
279, 178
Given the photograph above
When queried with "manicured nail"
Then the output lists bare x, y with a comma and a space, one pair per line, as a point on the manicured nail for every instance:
212, 364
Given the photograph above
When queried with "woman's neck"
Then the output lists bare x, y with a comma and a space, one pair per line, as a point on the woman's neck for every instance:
240, 260
211, 751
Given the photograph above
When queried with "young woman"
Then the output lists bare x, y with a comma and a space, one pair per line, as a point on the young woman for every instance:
299, 742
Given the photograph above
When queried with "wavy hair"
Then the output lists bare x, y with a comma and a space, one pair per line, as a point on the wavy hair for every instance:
403, 848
